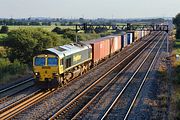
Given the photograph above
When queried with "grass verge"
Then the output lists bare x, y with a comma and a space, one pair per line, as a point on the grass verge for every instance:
9, 72
176, 79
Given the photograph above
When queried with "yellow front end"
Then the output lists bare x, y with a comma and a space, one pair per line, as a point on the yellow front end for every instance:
46, 67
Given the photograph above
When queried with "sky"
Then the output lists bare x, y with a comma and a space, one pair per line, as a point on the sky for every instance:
89, 8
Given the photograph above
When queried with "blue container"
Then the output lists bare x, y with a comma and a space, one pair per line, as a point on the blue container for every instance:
123, 39
129, 38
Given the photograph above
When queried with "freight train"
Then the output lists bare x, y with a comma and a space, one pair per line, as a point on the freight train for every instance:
59, 65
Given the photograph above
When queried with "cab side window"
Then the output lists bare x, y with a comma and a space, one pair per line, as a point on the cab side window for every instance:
68, 62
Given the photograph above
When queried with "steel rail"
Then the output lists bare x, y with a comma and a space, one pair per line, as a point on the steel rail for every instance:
127, 84
16, 85
92, 85
13, 111
18, 102
110, 82
140, 88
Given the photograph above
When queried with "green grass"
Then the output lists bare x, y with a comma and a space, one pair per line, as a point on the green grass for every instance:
176, 77
3, 53
49, 28
2, 36
177, 46
176, 63
11, 71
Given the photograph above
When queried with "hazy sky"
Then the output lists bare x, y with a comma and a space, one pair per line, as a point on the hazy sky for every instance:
89, 8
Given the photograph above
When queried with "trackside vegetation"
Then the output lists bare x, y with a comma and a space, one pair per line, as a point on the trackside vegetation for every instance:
23, 44
18, 47
176, 22
176, 66
13, 70
176, 78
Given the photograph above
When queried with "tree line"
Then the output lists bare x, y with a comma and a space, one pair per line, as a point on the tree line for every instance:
176, 22
23, 23
23, 43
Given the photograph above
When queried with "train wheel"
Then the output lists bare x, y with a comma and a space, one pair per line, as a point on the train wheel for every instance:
65, 82
60, 81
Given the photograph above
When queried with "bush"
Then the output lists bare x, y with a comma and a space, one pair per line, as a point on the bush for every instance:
176, 21
80, 36
58, 30
4, 29
105, 34
70, 35
25, 43
178, 116
3, 53
177, 74
178, 33
7, 68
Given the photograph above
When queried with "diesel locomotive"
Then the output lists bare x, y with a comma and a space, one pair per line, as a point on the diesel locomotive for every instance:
59, 65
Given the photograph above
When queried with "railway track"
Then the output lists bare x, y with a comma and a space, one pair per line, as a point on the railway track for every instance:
53, 107
19, 106
6, 93
128, 86
87, 108
12, 110
82, 113
70, 110
142, 83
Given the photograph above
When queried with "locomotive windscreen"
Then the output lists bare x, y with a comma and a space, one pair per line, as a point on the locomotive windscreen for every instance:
52, 61
39, 61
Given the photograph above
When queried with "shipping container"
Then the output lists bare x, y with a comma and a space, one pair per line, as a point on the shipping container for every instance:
115, 43
100, 48
129, 38
123, 40
147, 33
104, 47
136, 37
139, 35
143, 33
133, 35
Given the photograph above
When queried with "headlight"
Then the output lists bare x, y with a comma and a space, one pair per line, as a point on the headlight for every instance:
36, 73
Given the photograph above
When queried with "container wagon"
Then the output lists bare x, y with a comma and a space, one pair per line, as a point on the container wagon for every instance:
104, 47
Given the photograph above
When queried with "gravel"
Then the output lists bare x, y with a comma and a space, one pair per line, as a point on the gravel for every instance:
61, 97
18, 96
147, 103
96, 110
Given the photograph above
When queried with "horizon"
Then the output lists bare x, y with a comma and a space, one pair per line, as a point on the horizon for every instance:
114, 9
40, 17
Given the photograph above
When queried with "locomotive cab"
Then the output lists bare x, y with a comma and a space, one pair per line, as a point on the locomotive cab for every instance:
47, 67
59, 65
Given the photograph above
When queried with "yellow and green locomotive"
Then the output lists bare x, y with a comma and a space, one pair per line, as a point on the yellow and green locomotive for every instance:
57, 66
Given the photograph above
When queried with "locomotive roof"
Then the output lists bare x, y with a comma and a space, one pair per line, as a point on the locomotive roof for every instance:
69, 49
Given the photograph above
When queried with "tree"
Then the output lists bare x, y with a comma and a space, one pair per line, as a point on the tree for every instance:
70, 35
176, 21
25, 43
35, 23
4, 29
57, 30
